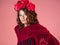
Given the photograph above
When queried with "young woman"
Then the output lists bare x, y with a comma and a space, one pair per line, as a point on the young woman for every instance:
28, 29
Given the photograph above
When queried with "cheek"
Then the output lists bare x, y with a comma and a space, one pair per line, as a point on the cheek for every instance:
20, 17
25, 17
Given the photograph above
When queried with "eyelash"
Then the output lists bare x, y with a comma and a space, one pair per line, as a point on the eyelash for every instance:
19, 15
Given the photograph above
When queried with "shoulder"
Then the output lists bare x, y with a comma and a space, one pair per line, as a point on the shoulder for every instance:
43, 28
16, 27
40, 28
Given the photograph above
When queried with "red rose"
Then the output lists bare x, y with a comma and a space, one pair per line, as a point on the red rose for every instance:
31, 7
24, 1
19, 5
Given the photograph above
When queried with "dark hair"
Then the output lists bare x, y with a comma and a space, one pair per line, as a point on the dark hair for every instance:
31, 17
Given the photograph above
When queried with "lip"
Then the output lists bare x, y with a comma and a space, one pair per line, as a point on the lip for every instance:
22, 20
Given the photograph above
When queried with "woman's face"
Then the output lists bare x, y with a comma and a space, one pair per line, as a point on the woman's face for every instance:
23, 17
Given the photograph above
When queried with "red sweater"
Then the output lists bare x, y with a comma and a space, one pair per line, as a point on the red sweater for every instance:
35, 34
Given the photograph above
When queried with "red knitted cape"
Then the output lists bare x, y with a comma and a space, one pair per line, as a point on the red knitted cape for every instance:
35, 34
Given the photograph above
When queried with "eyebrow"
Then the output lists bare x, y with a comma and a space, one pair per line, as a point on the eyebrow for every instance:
23, 14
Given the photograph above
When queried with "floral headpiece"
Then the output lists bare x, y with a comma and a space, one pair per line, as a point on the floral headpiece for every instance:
24, 4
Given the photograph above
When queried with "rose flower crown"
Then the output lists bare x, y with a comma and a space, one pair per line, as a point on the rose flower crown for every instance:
24, 4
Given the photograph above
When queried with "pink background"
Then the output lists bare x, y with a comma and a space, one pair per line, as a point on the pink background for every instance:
48, 15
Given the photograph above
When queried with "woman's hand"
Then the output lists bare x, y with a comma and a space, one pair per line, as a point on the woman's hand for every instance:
42, 41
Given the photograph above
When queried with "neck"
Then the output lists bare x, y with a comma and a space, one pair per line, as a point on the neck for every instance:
25, 25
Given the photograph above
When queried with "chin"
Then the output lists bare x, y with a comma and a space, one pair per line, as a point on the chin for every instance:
23, 22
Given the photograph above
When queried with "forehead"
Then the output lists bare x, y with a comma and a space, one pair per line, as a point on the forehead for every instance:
21, 12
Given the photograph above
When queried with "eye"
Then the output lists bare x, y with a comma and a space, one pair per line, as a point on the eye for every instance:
19, 15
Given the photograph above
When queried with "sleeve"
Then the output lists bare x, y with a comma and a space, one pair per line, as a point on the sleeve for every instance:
49, 40
16, 29
53, 41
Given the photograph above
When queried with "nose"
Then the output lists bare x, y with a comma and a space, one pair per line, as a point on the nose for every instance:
22, 17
